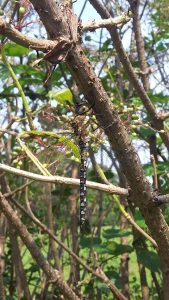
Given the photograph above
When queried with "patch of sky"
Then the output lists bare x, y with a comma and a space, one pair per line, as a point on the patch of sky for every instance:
89, 12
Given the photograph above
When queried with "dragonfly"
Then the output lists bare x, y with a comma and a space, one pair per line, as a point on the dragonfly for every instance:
83, 146
79, 127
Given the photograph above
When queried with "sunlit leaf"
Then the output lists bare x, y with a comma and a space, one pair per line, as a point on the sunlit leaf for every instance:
61, 96
72, 146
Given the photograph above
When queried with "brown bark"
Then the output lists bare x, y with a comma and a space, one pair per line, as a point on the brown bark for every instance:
139, 243
2, 255
52, 243
21, 286
2, 288
3, 231
140, 43
124, 266
143, 281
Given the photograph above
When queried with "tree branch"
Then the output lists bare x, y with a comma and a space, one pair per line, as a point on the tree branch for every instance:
46, 45
92, 25
63, 180
155, 117
161, 199
22, 39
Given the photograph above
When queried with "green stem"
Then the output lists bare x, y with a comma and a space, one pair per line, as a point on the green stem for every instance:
132, 222
39, 133
34, 159
24, 100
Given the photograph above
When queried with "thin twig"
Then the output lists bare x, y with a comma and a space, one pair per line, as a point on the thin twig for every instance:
18, 85
19, 189
133, 223
155, 172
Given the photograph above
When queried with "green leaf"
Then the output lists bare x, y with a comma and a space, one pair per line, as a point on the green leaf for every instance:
72, 146
149, 259
139, 219
161, 168
33, 268
101, 286
146, 132
161, 47
29, 81
61, 96
106, 45
4, 72
113, 233
159, 98
135, 101
148, 169
86, 242
15, 50
28, 71
114, 276
118, 249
